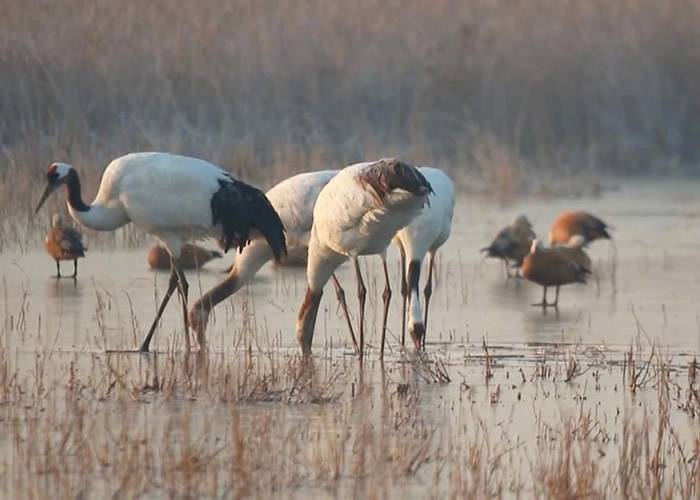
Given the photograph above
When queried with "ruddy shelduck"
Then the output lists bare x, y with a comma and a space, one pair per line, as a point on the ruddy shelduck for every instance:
551, 267
577, 222
512, 243
64, 243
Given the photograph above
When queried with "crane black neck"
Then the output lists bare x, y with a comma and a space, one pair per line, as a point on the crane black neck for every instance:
74, 196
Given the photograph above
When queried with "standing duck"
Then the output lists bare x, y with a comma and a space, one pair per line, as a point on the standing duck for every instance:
577, 222
551, 267
512, 243
64, 243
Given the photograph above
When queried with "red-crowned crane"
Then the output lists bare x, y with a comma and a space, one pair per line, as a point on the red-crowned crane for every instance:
293, 199
554, 267
176, 199
64, 243
358, 213
428, 232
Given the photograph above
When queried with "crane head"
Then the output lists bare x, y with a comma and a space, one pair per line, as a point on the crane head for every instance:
57, 174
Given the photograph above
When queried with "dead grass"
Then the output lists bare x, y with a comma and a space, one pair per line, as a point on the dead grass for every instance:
261, 421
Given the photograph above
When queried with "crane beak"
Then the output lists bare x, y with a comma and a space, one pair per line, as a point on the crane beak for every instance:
47, 192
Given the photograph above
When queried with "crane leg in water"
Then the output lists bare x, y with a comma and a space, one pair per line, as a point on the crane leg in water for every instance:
428, 292
361, 295
340, 294
404, 294
176, 275
183, 288
386, 296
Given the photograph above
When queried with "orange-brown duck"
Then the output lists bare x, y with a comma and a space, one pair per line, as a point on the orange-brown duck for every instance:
64, 243
551, 267
577, 222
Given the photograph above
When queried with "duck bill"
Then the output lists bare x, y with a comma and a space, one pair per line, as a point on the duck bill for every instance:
47, 192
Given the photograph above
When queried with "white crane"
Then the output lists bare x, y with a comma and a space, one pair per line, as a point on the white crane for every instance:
176, 199
428, 232
358, 213
293, 199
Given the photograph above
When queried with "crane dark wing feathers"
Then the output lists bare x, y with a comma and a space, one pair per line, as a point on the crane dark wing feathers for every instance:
386, 175
239, 208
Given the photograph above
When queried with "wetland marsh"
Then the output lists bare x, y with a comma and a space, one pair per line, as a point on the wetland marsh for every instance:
597, 399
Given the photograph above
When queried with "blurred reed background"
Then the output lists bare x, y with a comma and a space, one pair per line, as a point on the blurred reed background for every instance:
499, 91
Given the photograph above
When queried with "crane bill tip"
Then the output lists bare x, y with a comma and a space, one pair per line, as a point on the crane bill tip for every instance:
49, 189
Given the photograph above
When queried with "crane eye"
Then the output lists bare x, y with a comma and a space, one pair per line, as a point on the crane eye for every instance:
52, 176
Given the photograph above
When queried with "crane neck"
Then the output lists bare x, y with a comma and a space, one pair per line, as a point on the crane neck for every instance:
75, 199
99, 216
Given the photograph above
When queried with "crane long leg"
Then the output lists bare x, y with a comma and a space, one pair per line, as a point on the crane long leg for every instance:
404, 294
183, 290
172, 284
386, 296
58, 270
340, 294
556, 299
428, 292
75, 268
361, 295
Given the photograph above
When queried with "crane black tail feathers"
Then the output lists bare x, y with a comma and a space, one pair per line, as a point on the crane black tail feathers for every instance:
239, 208
267, 221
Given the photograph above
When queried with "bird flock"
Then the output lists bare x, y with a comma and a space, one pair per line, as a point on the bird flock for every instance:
317, 219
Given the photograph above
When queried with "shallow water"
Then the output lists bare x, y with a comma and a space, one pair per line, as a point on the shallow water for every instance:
655, 256
645, 291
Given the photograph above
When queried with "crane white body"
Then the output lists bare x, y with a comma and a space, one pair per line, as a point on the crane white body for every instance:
166, 195
425, 235
350, 221
294, 200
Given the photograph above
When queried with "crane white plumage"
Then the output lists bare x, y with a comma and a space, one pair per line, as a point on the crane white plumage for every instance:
358, 213
176, 199
293, 199
424, 236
